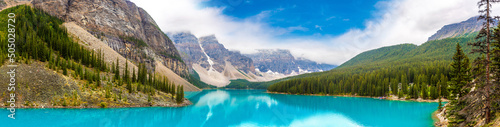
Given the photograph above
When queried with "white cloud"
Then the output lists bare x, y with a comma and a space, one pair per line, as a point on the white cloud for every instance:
398, 21
318, 27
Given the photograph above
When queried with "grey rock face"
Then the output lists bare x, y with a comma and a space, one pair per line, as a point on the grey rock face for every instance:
279, 60
2, 4
220, 54
312, 66
126, 28
282, 61
192, 53
189, 48
457, 29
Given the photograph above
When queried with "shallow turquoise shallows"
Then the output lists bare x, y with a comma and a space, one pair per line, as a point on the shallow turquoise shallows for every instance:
246, 108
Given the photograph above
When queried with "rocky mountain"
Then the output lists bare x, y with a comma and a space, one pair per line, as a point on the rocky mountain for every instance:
215, 64
312, 66
197, 51
3, 4
189, 48
458, 29
123, 26
11, 3
127, 29
222, 55
91, 85
282, 61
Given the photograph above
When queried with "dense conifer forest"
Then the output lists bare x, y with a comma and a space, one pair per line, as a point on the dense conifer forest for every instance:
405, 70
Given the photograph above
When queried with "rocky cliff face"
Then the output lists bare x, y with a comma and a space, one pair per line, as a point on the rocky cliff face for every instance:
11, 3
279, 60
311, 66
3, 4
189, 48
282, 61
220, 55
229, 65
215, 64
126, 28
458, 29
193, 51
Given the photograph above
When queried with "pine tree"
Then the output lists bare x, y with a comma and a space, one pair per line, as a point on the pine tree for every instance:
459, 73
92, 59
108, 92
167, 87
443, 84
80, 70
150, 78
129, 87
98, 77
141, 76
133, 75
63, 66
482, 46
425, 92
182, 92
172, 89
149, 97
51, 62
71, 65
433, 92
126, 75
113, 67
179, 95
117, 69
58, 60
138, 87
496, 54
440, 106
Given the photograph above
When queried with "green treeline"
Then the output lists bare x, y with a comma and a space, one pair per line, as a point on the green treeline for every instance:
41, 37
146, 81
427, 81
406, 70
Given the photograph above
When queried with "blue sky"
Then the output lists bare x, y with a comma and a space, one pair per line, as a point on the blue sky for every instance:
305, 18
325, 31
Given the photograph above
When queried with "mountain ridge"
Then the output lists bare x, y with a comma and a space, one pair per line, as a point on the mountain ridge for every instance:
282, 61
232, 65
126, 28
463, 28
214, 64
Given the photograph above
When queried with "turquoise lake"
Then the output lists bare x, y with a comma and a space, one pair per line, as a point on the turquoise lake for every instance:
240, 108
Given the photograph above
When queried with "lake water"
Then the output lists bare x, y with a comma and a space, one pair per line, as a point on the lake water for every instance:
246, 108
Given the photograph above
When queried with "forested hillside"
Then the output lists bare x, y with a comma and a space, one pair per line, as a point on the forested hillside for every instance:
41, 41
405, 70
381, 54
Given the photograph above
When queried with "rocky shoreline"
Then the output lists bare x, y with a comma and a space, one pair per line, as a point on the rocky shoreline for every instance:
183, 104
439, 117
